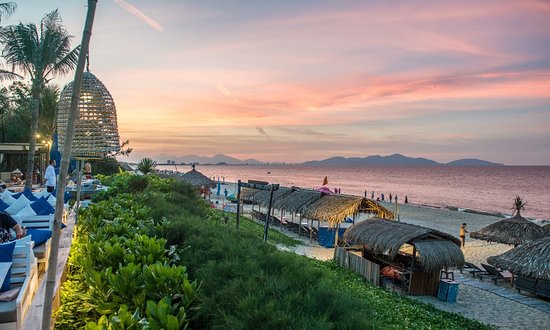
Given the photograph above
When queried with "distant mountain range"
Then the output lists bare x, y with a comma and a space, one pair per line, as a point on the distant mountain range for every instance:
376, 160
396, 160
217, 159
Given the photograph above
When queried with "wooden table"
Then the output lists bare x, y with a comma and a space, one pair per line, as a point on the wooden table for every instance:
4, 268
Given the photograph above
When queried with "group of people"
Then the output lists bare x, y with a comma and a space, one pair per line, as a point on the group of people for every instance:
382, 197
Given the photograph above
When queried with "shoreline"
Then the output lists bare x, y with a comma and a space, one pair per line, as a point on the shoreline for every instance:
230, 186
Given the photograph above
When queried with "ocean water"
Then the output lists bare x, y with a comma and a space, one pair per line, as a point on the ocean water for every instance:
489, 189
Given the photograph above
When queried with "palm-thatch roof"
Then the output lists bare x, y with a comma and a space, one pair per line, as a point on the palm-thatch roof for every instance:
436, 249
335, 208
547, 227
515, 231
531, 259
247, 194
197, 179
297, 200
262, 196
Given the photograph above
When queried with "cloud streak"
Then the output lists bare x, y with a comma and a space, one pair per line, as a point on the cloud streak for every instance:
140, 15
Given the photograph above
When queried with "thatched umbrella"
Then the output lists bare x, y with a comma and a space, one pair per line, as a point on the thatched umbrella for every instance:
547, 227
531, 259
515, 230
197, 179
436, 249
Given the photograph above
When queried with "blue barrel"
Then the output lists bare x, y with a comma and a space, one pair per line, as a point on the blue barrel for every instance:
448, 290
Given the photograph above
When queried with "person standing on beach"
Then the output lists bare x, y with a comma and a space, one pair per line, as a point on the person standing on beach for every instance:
372, 195
391, 198
406, 200
395, 199
51, 178
463, 232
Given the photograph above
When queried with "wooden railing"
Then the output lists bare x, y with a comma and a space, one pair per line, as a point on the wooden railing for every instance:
368, 269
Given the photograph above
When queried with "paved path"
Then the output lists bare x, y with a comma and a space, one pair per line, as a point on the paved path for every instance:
506, 292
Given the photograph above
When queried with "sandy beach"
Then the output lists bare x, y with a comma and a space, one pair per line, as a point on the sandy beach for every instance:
472, 302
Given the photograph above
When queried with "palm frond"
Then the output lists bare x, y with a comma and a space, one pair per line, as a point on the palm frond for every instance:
8, 75
7, 9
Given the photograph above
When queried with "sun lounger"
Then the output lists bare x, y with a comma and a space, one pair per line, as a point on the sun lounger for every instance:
526, 284
473, 269
542, 288
24, 276
495, 274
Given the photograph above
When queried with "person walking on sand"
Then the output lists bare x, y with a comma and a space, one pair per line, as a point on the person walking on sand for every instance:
391, 198
51, 178
463, 232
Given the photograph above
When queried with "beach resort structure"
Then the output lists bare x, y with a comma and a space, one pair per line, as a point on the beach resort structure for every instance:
410, 254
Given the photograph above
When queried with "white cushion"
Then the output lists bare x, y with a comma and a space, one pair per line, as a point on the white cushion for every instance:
18, 205
51, 200
6, 193
25, 213
42, 193
8, 199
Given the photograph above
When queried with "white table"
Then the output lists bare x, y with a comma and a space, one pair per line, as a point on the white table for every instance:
4, 268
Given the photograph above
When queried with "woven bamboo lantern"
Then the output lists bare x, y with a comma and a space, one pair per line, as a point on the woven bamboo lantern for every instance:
96, 129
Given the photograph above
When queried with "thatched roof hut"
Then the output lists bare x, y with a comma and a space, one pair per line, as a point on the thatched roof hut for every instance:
514, 231
547, 227
436, 250
297, 200
247, 194
335, 208
262, 196
197, 179
531, 259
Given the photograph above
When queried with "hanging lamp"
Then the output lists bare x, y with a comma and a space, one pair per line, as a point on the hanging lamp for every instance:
96, 129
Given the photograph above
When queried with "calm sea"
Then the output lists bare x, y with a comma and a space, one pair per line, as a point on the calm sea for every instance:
490, 189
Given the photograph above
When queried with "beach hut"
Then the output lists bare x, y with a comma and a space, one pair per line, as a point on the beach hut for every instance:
515, 230
547, 227
530, 263
416, 254
531, 259
198, 180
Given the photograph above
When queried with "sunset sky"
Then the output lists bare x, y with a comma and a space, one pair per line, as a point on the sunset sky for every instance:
293, 80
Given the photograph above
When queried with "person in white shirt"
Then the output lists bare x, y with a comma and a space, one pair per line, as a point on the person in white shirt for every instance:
51, 178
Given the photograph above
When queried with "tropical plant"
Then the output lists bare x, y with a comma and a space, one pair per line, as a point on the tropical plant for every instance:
519, 205
6, 9
47, 114
41, 52
146, 165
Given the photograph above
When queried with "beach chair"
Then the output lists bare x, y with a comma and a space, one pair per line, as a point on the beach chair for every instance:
527, 284
42, 251
473, 269
24, 276
542, 288
495, 274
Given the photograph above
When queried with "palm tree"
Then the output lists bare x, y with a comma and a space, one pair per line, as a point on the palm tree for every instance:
6, 9
47, 115
146, 165
519, 205
42, 53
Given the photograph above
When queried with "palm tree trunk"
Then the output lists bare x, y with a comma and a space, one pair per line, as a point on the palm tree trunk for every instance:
73, 115
35, 91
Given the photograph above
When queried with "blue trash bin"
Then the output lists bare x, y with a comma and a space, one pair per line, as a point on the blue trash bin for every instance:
448, 290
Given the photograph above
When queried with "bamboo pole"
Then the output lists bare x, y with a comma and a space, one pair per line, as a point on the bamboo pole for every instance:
71, 123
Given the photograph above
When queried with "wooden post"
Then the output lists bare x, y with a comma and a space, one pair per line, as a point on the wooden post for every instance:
238, 202
268, 213
78, 189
